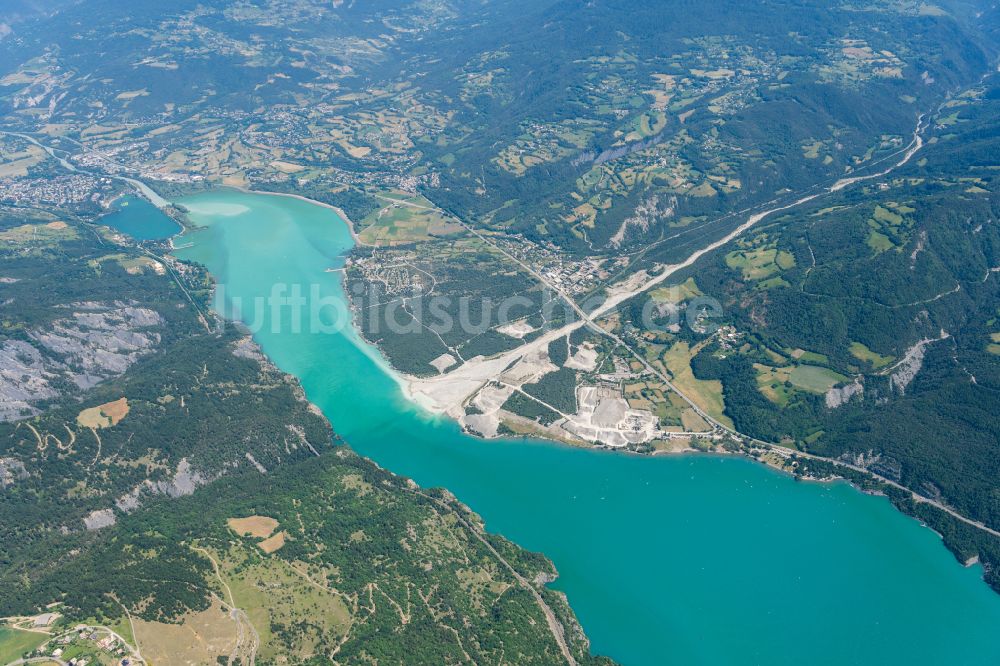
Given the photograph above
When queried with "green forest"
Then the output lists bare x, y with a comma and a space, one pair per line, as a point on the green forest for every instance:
206, 406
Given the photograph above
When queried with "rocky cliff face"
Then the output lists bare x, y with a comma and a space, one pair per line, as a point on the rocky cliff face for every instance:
92, 343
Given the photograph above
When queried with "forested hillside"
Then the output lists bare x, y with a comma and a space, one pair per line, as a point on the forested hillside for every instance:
864, 327
518, 152
142, 439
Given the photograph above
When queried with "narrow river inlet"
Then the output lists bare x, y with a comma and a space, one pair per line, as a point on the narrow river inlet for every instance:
692, 559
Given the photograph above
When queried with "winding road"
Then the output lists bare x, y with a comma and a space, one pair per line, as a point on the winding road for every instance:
247, 638
468, 378
555, 626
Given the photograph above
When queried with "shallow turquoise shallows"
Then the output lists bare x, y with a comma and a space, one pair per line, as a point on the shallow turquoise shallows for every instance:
668, 560
140, 219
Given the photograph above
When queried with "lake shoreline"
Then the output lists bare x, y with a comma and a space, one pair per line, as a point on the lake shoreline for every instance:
589, 512
405, 381
431, 397
336, 209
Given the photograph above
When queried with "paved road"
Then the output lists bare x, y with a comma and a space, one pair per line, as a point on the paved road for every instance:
136, 657
143, 188
617, 299
39, 660
555, 627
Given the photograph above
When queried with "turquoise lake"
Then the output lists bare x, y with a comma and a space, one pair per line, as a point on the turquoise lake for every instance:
668, 560
140, 219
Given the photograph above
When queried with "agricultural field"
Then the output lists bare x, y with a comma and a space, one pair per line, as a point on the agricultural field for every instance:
133, 265
676, 294
16, 161
104, 416
889, 227
14, 643
994, 346
45, 234
197, 637
402, 219
760, 263
256, 526
854, 61
707, 394
863, 353
779, 383
541, 144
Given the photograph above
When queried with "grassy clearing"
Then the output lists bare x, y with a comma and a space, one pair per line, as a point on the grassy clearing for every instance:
647, 124
104, 416
863, 353
692, 422
815, 379
273, 544
779, 384
255, 526
274, 595
829, 209
901, 208
707, 394
703, 190
14, 643
676, 293
774, 356
772, 383
811, 150
199, 638
42, 234
807, 356
671, 409
994, 348
16, 165
771, 283
761, 263
721, 73
124, 629
139, 265
287, 167
398, 223
879, 242
949, 120
888, 227
885, 215
784, 260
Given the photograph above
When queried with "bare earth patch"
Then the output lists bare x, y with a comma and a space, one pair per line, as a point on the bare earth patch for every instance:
287, 167
443, 362
273, 544
199, 638
104, 416
255, 526
518, 329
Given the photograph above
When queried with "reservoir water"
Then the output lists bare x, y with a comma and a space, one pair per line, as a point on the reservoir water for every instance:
685, 560
140, 219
